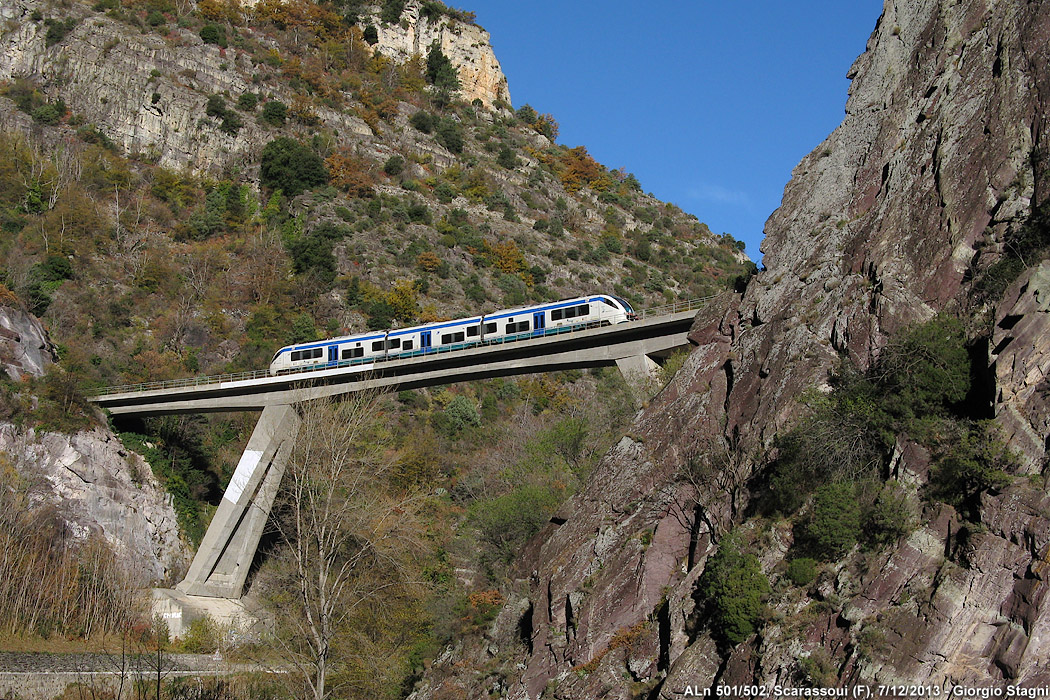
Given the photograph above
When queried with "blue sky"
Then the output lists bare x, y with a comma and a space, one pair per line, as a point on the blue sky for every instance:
710, 104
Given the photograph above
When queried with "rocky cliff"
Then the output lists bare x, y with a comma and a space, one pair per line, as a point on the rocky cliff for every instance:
25, 348
93, 482
147, 92
99, 488
468, 46
887, 222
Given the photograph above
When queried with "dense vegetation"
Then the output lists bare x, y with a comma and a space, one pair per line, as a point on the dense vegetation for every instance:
831, 476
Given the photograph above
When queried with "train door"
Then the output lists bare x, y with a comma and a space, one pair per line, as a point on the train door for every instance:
424, 341
333, 354
539, 322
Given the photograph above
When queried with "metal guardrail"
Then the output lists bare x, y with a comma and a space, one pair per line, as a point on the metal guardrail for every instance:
189, 382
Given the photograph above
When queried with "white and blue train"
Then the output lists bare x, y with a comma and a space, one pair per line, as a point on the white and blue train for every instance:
444, 336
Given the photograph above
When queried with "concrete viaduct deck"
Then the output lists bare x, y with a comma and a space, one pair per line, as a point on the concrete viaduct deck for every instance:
624, 345
220, 567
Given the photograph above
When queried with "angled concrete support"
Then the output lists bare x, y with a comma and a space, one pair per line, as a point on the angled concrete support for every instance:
221, 565
637, 370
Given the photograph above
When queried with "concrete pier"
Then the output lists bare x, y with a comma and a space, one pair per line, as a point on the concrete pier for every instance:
225, 555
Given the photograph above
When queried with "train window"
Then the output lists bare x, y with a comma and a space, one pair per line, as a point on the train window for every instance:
519, 327
452, 338
351, 353
296, 356
607, 302
377, 346
557, 314
393, 343
583, 310
473, 331
407, 345
490, 327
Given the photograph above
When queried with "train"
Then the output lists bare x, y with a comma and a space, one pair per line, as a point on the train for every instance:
507, 325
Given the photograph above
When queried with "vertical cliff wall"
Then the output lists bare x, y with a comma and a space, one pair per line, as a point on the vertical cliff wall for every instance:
939, 156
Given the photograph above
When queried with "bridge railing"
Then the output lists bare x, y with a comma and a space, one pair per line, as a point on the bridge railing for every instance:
674, 308
190, 382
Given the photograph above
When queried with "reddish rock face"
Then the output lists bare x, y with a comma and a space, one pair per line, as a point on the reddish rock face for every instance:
941, 152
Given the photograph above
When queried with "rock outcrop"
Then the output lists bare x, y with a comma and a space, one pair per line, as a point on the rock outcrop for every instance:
147, 93
24, 345
99, 487
468, 46
885, 223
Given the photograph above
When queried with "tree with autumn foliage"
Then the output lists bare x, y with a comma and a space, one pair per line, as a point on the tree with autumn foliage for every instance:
350, 173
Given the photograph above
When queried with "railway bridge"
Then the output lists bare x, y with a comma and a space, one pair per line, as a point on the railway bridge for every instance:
222, 562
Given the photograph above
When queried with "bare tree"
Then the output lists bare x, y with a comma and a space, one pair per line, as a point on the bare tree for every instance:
350, 537
707, 490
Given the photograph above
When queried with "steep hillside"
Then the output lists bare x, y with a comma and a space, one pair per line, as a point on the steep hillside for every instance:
876, 363
425, 204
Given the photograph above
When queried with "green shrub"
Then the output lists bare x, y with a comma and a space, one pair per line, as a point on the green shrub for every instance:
47, 114
527, 114
57, 30
889, 517
291, 167
248, 101
643, 250
514, 290
274, 113
445, 192
422, 121
926, 369
845, 438
834, 526
418, 213
462, 413
802, 572
391, 11
231, 123
450, 135
819, 669
507, 159
202, 637
505, 523
312, 253
371, 35
440, 72
976, 461
394, 165
155, 18
216, 106
214, 34
44, 280
733, 589
381, 315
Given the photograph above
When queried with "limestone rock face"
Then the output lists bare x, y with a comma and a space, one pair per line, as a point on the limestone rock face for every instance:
885, 223
148, 93
24, 345
468, 46
99, 487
